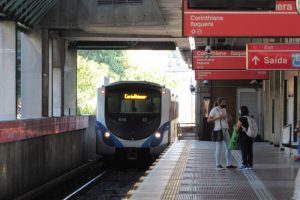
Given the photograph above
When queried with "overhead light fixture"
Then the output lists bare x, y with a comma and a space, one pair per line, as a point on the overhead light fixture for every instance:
21, 25
192, 43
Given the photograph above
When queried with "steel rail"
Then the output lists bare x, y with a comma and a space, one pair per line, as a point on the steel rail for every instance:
77, 192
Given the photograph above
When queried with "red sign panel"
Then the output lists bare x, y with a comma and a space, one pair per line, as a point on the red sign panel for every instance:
219, 59
284, 21
231, 75
273, 56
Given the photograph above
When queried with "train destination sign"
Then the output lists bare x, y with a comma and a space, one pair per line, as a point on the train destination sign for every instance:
219, 59
212, 23
231, 75
273, 56
135, 96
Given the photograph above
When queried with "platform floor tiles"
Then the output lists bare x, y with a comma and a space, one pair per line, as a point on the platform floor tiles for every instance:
187, 171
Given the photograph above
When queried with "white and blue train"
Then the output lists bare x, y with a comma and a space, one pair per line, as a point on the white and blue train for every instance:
134, 118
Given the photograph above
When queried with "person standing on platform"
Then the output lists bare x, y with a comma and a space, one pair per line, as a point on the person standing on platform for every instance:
219, 116
245, 141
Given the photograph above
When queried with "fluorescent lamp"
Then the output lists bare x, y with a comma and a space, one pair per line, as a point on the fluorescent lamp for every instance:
192, 43
24, 26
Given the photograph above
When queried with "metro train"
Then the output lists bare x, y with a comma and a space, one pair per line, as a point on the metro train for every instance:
135, 118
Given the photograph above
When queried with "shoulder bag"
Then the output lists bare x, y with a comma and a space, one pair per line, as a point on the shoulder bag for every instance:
217, 136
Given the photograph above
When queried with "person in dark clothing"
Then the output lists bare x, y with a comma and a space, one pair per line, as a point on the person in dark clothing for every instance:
245, 142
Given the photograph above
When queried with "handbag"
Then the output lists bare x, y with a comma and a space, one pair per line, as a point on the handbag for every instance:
217, 136
233, 144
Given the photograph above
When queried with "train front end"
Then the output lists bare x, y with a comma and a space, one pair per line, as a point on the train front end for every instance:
132, 119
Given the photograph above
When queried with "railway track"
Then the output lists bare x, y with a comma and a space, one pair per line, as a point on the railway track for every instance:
94, 181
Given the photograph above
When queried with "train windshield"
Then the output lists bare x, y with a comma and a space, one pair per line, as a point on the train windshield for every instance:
133, 102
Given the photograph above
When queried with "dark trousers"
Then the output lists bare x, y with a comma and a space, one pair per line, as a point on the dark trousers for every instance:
246, 144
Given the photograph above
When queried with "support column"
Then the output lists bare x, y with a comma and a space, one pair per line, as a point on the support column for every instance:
203, 92
267, 111
45, 72
272, 106
58, 53
7, 70
56, 92
50, 88
278, 111
70, 74
31, 70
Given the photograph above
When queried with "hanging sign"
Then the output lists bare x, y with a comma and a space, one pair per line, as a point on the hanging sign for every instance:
219, 59
273, 56
284, 21
231, 75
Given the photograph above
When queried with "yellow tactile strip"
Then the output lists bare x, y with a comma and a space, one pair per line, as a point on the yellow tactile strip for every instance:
172, 188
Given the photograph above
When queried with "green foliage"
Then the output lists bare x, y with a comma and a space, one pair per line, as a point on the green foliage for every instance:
154, 74
93, 66
89, 76
114, 59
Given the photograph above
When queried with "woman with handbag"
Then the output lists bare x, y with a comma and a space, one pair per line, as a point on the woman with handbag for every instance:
220, 135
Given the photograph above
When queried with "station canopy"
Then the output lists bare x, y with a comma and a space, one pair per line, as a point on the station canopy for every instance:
26, 12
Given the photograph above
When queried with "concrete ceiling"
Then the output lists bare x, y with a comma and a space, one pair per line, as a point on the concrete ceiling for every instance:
151, 20
131, 21
27, 12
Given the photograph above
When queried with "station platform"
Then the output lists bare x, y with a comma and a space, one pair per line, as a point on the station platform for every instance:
187, 171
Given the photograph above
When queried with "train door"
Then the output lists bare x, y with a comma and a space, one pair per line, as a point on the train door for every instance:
250, 98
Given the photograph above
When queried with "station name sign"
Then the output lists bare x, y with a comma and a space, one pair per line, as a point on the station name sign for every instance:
273, 56
231, 75
284, 21
219, 59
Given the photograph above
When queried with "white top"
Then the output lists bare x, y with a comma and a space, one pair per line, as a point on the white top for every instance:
215, 112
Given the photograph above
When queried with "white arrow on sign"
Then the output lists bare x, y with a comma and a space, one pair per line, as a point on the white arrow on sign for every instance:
255, 59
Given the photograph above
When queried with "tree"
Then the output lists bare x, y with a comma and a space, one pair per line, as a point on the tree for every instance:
118, 66
89, 76
114, 59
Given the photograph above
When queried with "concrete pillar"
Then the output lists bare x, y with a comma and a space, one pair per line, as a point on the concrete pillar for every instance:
58, 62
31, 74
203, 92
45, 72
278, 111
267, 102
272, 105
56, 92
50, 92
7, 70
198, 109
70, 86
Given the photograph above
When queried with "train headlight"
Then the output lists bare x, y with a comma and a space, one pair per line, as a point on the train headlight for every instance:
107, 134
157, 135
